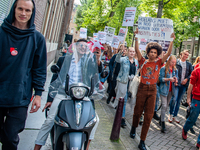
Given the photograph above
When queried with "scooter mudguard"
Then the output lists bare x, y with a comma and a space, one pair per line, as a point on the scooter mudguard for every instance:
74, 140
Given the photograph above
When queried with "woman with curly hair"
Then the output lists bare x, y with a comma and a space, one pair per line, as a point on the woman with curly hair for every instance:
146, 94
168, 81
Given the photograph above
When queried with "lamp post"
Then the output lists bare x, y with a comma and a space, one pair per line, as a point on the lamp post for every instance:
134, 28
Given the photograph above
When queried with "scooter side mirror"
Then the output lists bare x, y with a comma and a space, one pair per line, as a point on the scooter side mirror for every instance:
55, 69
92, 87
67, 85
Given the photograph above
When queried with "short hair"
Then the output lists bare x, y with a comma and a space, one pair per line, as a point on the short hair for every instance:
154, 45
82, 40
186, 50
15, 5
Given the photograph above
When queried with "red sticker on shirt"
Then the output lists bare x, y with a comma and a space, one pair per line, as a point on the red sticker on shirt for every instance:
195, 105
13, 51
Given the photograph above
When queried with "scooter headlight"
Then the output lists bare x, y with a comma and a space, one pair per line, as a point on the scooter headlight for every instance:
79, 92
60, 122
93, 121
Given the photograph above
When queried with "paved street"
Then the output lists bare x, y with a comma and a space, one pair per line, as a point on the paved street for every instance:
156, 140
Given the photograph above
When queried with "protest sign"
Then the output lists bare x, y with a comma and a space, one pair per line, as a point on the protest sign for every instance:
144, 42
155, 28
109, 34
102, 37
95, 36
115, 42
83, 33
122, 33
129, 16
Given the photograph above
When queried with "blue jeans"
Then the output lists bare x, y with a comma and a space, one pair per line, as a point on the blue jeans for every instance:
176, 99
124, 108
157, 98
194, 113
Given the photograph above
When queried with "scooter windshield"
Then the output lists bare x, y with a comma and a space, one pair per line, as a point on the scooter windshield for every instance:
81, 66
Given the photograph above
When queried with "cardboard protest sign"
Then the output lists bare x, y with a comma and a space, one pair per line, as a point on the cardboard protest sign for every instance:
102, 37
155, 28
122, 33
115, 42
83, 33
144, 42
109, 34
129, 16
95, 36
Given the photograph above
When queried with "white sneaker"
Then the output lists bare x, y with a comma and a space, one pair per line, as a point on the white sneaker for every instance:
176, 120
170, 118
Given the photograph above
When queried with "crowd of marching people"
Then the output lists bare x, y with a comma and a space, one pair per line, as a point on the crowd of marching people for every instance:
162, 77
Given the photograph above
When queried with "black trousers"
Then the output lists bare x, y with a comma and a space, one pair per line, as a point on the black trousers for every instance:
12, 122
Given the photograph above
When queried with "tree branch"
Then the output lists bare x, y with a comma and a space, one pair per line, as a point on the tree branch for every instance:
166, 2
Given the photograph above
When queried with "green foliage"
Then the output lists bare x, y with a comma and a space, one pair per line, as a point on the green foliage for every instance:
182, 12
100, 13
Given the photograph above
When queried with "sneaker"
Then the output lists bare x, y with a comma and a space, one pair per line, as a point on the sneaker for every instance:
192, 131
170, 118
184, 134
197, 145
123, 123
176, 120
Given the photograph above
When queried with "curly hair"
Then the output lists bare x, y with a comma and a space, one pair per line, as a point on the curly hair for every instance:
154, 45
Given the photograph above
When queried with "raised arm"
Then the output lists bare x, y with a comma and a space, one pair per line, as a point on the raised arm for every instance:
139, 55
169, 51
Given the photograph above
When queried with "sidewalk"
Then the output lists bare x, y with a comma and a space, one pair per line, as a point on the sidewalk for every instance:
102, 136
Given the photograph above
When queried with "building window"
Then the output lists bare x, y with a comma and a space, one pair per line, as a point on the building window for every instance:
189, 47
183, 46
72, 30
195, 50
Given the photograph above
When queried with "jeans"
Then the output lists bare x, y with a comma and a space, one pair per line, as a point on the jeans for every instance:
194, 113
12, 126
157, 98
176, 99
49, 122
124, 108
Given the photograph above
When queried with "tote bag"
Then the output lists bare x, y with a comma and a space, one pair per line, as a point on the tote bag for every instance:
133, 88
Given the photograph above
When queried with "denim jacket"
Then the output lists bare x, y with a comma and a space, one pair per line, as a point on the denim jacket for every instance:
164, 88
124, 67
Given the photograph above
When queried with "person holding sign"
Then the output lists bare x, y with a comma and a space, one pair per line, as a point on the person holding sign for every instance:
146, 95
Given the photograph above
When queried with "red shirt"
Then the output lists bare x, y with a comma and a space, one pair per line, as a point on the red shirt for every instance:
170, 85
150, 71
197, 65
195, 81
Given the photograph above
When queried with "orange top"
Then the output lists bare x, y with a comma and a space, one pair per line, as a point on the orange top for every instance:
150, 71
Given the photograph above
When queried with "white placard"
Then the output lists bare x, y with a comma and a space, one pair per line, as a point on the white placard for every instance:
102, 37
109, 34
155, 28
129, 16
83, 33
95, 36
122, 33
115, 42
144, 42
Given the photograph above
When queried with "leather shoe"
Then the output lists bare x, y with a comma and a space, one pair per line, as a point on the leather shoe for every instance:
155, 116
132, 133
141, 146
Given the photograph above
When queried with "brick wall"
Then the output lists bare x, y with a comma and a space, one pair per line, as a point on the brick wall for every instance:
40, 13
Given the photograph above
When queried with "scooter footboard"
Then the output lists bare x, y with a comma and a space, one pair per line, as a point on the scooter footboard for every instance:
74, 140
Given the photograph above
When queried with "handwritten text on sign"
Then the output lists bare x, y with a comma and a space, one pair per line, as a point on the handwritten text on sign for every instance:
155, 28
129, 16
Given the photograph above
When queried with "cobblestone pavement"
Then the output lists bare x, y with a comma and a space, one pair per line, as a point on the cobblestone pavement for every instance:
172, 139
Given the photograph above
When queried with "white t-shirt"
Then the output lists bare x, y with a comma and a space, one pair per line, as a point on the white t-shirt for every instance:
183, 64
